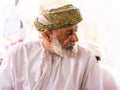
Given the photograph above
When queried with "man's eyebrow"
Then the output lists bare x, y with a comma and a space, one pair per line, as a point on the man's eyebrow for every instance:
69, 31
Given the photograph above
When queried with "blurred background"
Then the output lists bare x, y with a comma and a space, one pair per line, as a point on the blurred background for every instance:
100, 24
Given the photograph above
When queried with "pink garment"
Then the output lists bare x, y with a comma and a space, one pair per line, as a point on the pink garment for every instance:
111, 78
29, 67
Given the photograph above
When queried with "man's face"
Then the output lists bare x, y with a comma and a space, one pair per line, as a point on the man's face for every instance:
64, 41
67, 36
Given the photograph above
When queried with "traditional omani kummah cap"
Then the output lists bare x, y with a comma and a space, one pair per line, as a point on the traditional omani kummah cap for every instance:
58, 17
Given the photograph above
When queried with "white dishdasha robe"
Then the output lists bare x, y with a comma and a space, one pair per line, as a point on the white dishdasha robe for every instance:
29, 67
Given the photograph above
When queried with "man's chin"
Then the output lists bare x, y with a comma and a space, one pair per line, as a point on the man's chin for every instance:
71, 52
68, 51
70, 48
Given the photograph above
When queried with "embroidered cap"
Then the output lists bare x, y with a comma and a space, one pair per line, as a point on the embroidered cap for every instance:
58, 17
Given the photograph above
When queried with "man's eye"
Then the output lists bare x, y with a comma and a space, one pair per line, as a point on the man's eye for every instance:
69, 32
65, 36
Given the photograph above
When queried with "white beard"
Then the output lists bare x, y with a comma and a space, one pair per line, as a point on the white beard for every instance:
57, 48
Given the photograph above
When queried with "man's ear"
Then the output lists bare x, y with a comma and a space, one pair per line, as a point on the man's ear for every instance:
47, 34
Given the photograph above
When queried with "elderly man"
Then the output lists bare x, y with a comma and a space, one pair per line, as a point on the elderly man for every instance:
54, 63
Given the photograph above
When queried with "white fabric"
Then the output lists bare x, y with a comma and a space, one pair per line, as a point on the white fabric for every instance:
94, 48
30, 67
43, 20
110, 76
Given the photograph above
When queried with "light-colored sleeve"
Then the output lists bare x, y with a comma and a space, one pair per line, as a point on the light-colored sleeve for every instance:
111, 77
6, 73
92, 78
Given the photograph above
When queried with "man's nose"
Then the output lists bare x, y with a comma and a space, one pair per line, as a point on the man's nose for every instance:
74, 37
